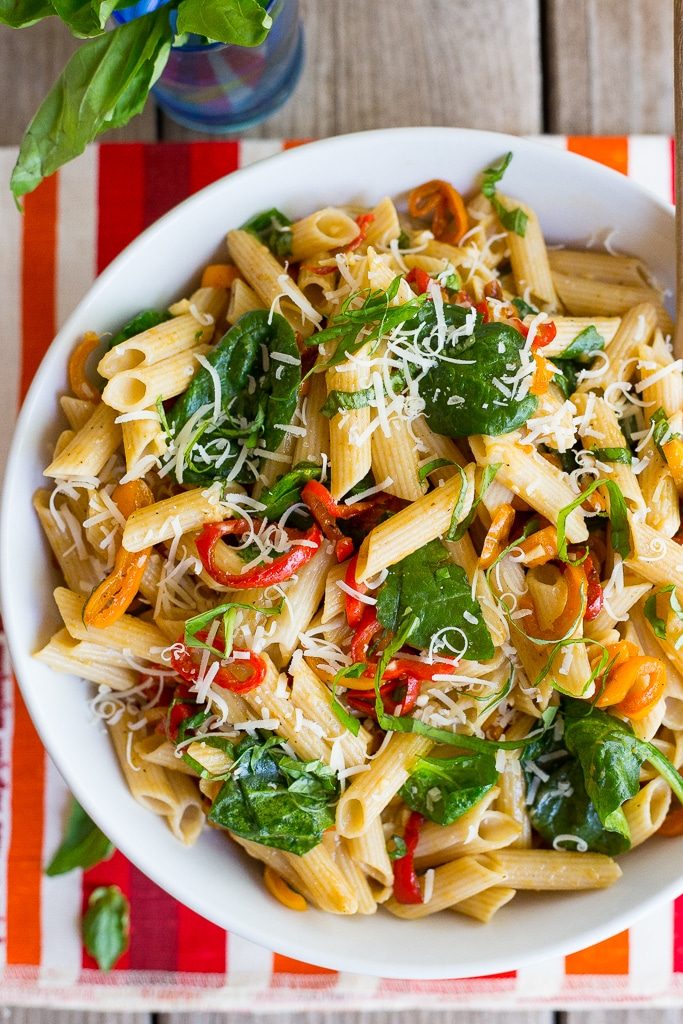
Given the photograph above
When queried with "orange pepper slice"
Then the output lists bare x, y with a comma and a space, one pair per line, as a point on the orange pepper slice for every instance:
114, 595
673, 453
219, 275
542, 375
439, 201
497, 535
540, 547
282, 892
672, 824
78, 380
635, 682
575, 580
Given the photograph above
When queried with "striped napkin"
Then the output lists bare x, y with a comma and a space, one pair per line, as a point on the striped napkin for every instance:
73, 226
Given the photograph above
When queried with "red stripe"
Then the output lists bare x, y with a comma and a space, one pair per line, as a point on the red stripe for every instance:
111, 872
167, 178
120, 199
678, 935
201, 944
39, 247
154, 925
210, 161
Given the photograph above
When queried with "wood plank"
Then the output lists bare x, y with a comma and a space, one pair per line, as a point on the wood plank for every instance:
609, 66
622, 1016
363, 1017
29, 1015
30, 61
402, 62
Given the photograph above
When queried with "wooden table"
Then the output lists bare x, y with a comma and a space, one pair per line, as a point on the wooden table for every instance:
522, 66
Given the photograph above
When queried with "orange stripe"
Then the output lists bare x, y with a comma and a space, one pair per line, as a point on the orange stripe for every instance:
293, 143
286, 965
611, 150
38, 278
24, 868
608, 957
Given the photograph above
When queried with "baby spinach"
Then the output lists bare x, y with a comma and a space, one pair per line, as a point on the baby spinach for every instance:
286, 491
271, 229
443, 789
274, 799
583, 347
523, 308
460, 397
104, 84
439, 596
560, 805
83, 845
142, 321
106, 925
249, 414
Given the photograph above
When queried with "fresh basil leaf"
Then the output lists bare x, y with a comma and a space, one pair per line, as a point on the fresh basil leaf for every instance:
493, 175
286, 491
560, 805
199, 622
276, 800
618, 514
432, 466
240, 22
492, 352
514, 220
439, 595
443, 789
84, 17
22, 13
103, 86
272, 229
523, 308
487, 478
83, 844
662, 431
249, 415
621, 455
106, 925
342, 401
143, 321
584, 346
650, 610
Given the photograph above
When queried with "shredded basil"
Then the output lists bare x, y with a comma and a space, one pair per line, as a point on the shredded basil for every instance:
620, 455
621, 538
514, 220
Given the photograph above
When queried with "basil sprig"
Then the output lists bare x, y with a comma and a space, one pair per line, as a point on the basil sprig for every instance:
513, 220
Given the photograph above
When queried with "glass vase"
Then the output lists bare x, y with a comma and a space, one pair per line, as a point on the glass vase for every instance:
224, 89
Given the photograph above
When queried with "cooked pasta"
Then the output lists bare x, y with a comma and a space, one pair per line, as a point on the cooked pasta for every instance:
368, 557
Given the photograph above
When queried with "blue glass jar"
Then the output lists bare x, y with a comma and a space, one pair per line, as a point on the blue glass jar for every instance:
224, 89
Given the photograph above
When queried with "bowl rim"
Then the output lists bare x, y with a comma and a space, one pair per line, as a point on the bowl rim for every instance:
122, 839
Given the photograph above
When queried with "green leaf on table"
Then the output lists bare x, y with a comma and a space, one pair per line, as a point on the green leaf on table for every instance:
258, 397
438, 594
22, 13
106, 925
84, 17
103, 86
443, 789
240, 22
83, 844
274, 799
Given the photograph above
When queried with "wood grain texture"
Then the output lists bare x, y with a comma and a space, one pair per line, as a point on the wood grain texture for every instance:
27, 1015
609, 66
400, 62
643, 1016
30, 62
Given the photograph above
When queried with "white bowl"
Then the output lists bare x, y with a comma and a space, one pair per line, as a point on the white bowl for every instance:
574, 198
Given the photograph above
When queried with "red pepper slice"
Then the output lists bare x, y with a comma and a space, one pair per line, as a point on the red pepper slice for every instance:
354, 607
594, 595
519, 326
367, 630
406, 886
420, 278
187, 668
364, 700
325, 511
483, 308
363, 221
402, 667
278, 571
545, 333
178, 714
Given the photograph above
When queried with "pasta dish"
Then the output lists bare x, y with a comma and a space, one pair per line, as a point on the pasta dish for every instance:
372, 548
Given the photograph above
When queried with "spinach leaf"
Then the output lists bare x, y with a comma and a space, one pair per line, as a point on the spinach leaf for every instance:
621, 455
560, 805
443, 789
104, 84
513, 220
249, 415
584, 346
460, 397
523, 308
439, 595
142, 321
274, 799
83, 844
270, 227
565, 376
342, 401
21, 13
84, 17
286, 491
241, 22
106, 925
